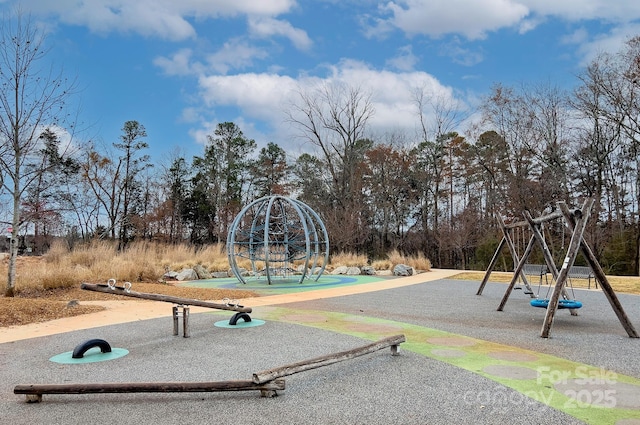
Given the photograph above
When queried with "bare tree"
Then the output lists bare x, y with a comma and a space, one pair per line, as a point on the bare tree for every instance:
438, 114
104, 178
32, 97
528, 124
609, 98
334, 118
439, 117
390, 194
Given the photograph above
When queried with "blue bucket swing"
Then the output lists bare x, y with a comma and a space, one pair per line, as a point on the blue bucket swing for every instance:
562, 303
544, 303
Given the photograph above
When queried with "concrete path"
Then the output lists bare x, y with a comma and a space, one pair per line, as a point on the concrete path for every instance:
124, 311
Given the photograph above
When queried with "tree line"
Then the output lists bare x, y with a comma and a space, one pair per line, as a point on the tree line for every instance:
437, 192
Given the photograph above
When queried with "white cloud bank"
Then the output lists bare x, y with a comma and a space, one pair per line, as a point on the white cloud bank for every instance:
475, 18
267, 97
165, 19
262, 96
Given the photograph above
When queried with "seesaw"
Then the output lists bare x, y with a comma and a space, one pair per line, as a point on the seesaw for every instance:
181, 307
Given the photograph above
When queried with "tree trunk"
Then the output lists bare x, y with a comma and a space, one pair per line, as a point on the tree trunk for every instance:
15, 228
637, 259
13, 256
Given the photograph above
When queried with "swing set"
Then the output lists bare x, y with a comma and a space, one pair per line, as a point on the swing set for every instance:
575, 221
565, 302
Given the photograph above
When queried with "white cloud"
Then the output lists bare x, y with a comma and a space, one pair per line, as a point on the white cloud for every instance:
260, 96
190, 115
234, 54
475, 18
178, 64
471, 18
461, 55
578, 36
529, 24
265, 27
157, 18
166, 19
405, 60
611, 42
267, 97
393, 93
577, 10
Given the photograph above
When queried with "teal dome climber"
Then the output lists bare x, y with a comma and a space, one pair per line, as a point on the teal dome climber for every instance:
281, 237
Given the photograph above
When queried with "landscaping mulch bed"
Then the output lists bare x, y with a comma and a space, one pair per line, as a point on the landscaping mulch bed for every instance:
33, 306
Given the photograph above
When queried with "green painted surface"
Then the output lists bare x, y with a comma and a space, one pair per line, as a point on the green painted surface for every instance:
92, 355
283, 286
241, 324
535, 375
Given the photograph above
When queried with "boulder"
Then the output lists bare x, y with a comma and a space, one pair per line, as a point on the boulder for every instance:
218, 275
243, 272
187, 274
170, 275
403, 270
202, 272
353, 271
369, 271
340, 270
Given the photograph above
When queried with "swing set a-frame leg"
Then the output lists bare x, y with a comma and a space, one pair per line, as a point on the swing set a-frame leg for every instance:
506, 240
581, 217
492, 264
600, 276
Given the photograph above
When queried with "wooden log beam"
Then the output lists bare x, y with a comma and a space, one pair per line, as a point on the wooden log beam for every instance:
271, 374
34, 392
549, 217
516, 224
166, 298
538, 220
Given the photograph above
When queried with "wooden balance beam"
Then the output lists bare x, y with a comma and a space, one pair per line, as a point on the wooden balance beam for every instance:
181, 303
159, 297
271, 374
34, 392
267, 382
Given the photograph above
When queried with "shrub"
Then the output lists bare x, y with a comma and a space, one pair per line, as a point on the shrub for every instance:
417, 261
349, 259
382, 265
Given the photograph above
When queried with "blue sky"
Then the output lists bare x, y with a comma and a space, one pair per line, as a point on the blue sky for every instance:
182, 67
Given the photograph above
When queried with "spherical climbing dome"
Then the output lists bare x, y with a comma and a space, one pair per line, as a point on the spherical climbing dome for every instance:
281, 237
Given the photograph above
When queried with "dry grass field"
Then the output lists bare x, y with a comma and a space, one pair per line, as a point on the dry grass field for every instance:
45, 285
622, 284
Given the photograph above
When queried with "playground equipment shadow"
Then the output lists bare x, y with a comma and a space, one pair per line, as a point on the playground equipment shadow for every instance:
463, 362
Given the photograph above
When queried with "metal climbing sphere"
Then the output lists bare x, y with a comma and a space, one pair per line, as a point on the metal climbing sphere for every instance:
276, 233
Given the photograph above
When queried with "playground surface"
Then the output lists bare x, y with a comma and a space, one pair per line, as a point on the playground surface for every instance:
463, 362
